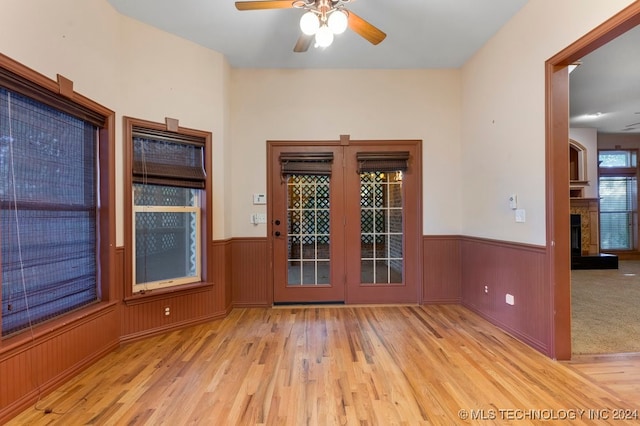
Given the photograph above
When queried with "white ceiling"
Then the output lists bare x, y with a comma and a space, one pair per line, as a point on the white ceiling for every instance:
608, 82
420, 34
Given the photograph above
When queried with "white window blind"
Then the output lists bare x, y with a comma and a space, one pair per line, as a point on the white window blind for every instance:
618, 211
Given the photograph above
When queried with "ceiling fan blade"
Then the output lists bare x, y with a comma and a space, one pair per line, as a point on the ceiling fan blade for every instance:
258, 5
303, 43
365, 29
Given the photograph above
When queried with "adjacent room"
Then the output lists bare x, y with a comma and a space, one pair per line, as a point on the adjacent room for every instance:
604, 141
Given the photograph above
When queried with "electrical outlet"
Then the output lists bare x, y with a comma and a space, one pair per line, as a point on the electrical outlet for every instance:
167, 311
486, 289
509, 299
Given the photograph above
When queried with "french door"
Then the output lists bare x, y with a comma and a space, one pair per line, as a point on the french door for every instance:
344, 222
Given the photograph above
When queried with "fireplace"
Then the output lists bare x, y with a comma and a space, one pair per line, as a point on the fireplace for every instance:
576, 235
585, 244
584, 225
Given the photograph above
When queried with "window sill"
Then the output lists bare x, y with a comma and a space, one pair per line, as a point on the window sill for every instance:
162, 293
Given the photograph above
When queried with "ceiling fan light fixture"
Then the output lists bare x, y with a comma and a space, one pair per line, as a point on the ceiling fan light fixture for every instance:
338, 21
309, 23
324, 36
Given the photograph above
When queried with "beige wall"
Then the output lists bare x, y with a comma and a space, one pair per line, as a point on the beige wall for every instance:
503, 119
166, 76
126, 66
365, 104
482, 126
77, 39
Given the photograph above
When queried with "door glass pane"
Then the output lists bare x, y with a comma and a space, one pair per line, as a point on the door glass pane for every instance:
381, 237
308, 227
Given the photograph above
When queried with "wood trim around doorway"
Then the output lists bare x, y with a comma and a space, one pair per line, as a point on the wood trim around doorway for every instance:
557, 169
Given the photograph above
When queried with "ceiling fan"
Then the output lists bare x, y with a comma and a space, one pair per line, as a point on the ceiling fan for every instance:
321, 20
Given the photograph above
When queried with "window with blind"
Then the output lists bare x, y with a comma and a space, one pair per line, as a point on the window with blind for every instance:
168, 183
48, 209
618, 191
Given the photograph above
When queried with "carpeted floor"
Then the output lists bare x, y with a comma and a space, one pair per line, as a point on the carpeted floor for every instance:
605, 306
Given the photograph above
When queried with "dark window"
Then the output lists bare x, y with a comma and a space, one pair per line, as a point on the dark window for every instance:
47, 211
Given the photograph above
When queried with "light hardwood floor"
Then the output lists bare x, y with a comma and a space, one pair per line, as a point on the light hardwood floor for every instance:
618, 372
334, 365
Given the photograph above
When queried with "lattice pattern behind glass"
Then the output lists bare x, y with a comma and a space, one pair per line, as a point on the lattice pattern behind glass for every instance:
163, 238
381, 238
308, 229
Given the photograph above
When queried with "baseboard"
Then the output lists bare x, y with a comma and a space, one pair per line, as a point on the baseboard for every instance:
452, 301
170, 327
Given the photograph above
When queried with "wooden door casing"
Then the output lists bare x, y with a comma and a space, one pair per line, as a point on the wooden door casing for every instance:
283, 292
409, 291
345, 283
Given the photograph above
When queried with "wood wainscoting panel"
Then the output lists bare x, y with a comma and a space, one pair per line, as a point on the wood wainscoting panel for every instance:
508, 268
149, 316
250, 269
36, 366
221, 273
441, 269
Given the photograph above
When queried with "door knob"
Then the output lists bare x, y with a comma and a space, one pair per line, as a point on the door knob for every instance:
277, 222
277, 233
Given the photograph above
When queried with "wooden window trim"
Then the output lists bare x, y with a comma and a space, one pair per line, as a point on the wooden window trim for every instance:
60, 94
206, 236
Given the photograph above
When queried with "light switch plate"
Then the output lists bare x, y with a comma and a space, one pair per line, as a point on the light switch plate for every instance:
259, 199
257, 218
520, 215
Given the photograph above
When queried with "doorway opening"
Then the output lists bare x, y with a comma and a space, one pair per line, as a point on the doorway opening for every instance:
557, 171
